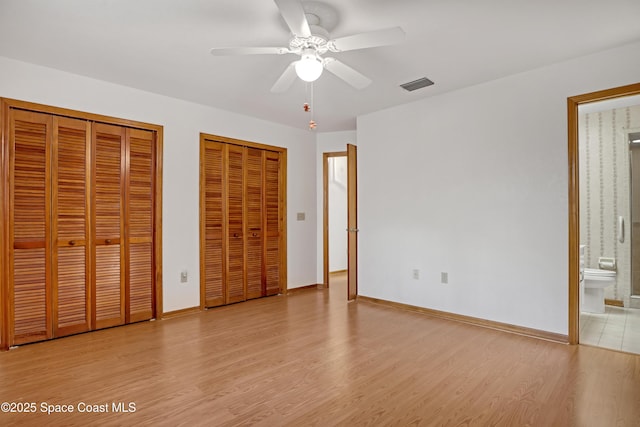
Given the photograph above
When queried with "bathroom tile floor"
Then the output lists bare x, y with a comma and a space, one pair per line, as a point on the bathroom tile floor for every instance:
617, 328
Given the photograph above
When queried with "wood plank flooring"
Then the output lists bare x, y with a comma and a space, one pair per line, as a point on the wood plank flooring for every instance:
311, 358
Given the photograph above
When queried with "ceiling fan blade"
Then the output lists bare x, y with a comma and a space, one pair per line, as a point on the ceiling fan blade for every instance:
346, 73
366, 40
293, 14
286, 79
231, 51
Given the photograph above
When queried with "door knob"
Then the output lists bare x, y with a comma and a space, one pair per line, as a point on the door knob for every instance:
107, 241
72, 242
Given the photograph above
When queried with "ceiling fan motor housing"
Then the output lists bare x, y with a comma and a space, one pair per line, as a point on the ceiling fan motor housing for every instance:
317, 41
321, 18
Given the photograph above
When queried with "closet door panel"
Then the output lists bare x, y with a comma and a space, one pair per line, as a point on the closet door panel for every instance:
273, 202
235, 224
72, 311
213, 217
30, 306
29, 281
71, 290
109, 300
254, 222
140, 283
109, 279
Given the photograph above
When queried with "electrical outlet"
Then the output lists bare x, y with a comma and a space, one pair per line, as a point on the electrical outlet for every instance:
300, 216
416, 274
184, 276
444, 277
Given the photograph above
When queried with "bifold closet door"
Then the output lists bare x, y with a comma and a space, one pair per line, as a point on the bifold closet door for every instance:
139, 272
109, 167
213, 222
272, 223
235, 256
30, 137
70, 174
254, 168
241, 211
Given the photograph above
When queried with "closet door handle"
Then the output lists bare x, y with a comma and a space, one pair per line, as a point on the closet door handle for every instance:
107, 242
255, 234
235, 234
72, 242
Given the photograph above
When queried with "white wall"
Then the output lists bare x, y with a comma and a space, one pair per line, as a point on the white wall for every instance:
183, 121
474, 183
327, 142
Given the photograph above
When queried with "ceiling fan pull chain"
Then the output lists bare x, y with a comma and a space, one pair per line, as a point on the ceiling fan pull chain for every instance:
312, 123
308, 105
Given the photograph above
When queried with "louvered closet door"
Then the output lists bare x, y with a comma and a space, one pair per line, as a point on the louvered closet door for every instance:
109, 279
254, 222
273, 200
140, 283
29, 223
71, 284
214, 229
235, 225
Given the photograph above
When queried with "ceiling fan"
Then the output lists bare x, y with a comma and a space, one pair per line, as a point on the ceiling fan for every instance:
310, 23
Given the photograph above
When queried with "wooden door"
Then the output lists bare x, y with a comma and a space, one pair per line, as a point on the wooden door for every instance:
352, 222
242, 220
254, 222
70, 174
212, 223
273, 223
30, 137
108, 166
140, 287
235, 273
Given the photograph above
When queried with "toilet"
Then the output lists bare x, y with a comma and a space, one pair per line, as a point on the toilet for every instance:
592, 284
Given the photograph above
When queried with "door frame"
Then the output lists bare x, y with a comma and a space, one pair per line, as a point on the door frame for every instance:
6, 104
204, 138
574, 196
352, 205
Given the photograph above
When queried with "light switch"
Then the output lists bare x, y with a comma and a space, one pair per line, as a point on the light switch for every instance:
301, 216
184, 276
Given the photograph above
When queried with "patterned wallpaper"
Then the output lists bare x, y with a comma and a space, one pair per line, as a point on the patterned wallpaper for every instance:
605, 191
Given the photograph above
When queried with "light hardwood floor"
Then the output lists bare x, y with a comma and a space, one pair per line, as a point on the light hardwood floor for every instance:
311, 358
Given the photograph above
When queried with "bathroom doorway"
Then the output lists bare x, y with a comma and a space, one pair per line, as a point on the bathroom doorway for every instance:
335, 217
340, 220
601, 219
632, 135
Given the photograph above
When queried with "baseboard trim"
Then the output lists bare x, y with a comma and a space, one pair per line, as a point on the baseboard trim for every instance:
614, 302
181, 312
504, 327
304, 288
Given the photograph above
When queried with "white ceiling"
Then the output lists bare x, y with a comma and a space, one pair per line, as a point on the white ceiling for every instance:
162, 46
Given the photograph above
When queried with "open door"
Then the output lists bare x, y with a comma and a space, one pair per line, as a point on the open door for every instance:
352, 223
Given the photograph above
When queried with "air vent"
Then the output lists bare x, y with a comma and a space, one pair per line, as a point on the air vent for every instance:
416, 84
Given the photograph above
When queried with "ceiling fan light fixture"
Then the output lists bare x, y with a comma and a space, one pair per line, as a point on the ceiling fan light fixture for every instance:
309, 67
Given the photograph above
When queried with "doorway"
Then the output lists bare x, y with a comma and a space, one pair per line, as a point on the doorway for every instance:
335, 216
573, 104
340, 229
